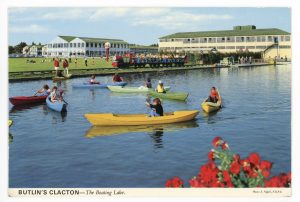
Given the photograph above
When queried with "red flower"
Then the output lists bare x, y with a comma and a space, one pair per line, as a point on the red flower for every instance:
254, 158
195, 182
210, 156
217, 141
252, 174
226, 176
274, 182
265, 173
265, 165
224, 145
235, 167
174, 182
236, 157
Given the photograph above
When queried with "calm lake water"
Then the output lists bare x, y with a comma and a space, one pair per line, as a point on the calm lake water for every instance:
50, 150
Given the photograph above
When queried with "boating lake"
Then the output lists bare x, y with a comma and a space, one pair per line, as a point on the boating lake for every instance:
51, 150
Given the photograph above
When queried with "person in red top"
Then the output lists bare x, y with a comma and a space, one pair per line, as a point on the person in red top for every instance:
214, 95
66, 66
56, 65
117, 78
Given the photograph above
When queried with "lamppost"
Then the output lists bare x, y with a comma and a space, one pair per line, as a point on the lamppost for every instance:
107, 46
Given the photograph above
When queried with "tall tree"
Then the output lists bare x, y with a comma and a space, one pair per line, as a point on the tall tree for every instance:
19, 47
11, 50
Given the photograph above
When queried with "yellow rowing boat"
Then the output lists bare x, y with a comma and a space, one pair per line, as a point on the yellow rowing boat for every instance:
10, 122
110, 119
210, 106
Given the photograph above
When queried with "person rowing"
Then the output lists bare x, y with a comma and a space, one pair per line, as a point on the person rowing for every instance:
93, 80
117, 78
44, 91
160, 87
214, 95
148, 83
156, 108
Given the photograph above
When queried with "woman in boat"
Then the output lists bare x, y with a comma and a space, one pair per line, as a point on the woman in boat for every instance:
156, 108
43, 91
148, 83
214, 95
117, 78
93, 80
160, 87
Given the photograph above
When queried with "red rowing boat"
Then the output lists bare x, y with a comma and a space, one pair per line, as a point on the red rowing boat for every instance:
24, 100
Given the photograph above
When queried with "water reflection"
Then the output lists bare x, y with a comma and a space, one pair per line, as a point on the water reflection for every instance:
97, 131
16, 109
10, 138
56, 116
157, 138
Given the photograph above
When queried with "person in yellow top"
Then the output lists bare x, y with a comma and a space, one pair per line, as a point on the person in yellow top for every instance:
160, 87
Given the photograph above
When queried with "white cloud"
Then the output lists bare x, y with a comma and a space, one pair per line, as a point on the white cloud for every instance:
179, 20
101, 13
65, 14
33, 28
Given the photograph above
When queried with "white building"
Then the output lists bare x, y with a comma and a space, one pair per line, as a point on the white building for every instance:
33, 50
72, 46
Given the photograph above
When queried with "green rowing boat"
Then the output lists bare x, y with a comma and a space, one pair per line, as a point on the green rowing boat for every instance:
170, 95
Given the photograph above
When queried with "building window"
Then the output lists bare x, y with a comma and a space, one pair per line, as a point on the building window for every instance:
87, 44
71, 45
82, 45
78, 45
96, 44
74, 45
285, 47
92, 45
287, 38
270, 39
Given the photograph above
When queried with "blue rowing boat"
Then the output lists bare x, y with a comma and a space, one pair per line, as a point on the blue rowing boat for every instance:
88, 85
58, 106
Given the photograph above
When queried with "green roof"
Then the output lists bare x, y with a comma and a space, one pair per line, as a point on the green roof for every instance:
223, 33
68, 38
94, 40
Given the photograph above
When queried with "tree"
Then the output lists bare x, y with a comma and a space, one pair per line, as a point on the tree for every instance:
19, 47
33, 43
11, 50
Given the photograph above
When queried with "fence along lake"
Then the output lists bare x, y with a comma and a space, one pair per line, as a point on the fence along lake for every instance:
51, 150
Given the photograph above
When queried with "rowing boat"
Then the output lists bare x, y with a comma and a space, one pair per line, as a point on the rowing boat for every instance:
96, 131
24, 100
88, 85
60, 78
10, 122
109, 119
58, 106
142, 89
170, 95
210, 106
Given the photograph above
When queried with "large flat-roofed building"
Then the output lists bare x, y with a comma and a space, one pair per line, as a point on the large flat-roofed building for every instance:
73, 46
270, 42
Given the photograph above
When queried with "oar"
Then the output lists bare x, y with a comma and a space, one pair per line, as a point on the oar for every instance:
64, 100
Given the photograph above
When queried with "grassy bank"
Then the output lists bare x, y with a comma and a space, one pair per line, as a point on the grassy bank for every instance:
42, 64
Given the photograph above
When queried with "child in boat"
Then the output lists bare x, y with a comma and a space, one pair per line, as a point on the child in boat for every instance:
156, 108
160, 87
148, 83
93, 80
214, 95
53, 95
117, 78
43, 91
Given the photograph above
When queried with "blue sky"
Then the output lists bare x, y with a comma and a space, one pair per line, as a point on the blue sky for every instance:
135, 25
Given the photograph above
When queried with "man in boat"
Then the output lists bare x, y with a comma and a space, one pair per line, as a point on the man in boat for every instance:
43, 91
93, 80
156, 108
117, 78
214, 95
148, 83
160, 87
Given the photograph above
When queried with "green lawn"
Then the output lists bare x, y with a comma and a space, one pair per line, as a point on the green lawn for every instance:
20, 64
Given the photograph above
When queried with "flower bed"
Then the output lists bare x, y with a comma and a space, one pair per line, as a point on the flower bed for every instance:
226, 169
